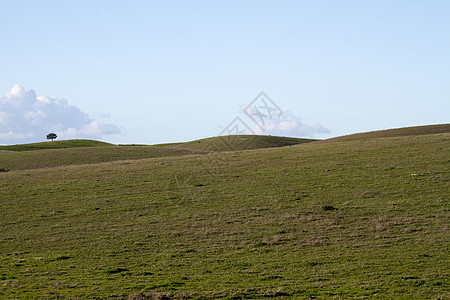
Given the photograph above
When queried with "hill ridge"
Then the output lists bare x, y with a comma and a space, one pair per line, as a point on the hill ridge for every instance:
239, 142
394, 132
75, 143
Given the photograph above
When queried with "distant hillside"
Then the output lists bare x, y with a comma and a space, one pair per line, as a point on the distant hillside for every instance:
46, 158
56, 145
238, 142
78, 152
417, 130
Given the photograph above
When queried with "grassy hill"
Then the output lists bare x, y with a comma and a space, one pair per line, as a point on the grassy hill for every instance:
77, 152
56, 145
407, 131
20, 160
323, 220
238, 142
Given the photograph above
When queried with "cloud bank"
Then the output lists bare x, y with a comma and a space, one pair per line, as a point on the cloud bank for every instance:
25, 117
289, 125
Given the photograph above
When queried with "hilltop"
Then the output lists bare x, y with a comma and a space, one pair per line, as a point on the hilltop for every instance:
56, 145
238, 142
397, 132
313, 220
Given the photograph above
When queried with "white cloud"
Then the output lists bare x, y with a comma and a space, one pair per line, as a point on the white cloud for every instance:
25, 117
289, 125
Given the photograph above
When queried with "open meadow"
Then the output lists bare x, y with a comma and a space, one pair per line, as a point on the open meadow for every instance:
362, 218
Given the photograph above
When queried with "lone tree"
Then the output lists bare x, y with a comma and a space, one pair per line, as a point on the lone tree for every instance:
51, 136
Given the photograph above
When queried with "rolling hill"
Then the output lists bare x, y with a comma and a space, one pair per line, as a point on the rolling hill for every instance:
238, 142
21, 160
56, 145
397, 132
77, 152
314, 220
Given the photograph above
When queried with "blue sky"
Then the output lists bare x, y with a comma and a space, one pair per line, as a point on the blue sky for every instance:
165, 71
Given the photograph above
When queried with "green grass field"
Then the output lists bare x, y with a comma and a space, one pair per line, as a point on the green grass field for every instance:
367, 218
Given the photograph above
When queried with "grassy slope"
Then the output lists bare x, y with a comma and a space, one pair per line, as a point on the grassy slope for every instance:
76, 152
238, 142
56, 145
20, 160
244, 224
407, 131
